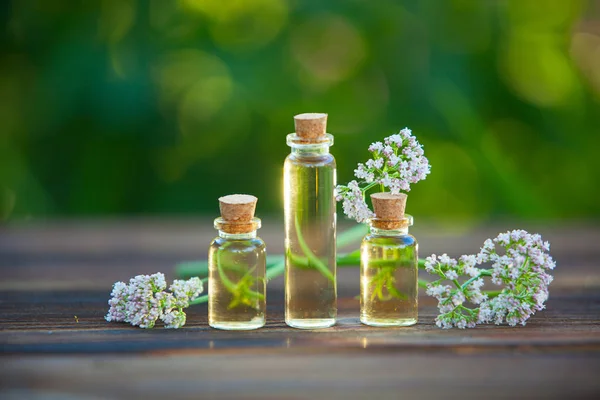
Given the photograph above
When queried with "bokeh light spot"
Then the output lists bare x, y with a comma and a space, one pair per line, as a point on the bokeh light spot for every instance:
202, 100
242, 24
194, 86
195, 82
116, 19
328, 48
538, 71
585, 49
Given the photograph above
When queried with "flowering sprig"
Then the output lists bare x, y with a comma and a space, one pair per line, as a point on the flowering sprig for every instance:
144, 300
522, 271
397, 163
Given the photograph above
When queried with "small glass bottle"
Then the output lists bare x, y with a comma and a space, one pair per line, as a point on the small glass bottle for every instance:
237, 267
389, 266
310, 221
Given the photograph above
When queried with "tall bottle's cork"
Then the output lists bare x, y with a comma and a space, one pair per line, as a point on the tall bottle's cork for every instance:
311, 127
389, 210
237, 212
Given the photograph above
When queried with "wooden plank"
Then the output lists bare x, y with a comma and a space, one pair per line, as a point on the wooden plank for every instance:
229, 374
52, 273
92, 255
45, 322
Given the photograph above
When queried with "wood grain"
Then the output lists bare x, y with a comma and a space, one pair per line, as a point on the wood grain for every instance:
54, 341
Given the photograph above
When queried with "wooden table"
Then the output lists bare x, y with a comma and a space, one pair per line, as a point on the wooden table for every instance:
57, 276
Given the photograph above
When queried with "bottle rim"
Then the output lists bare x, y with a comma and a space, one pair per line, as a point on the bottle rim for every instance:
293, 140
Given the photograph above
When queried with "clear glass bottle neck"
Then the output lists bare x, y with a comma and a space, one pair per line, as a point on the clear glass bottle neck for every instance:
237, 236
302, 148
388, 232
313, 150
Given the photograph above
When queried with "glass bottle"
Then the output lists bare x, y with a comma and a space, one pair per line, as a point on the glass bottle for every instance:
237, 268
389, 273
310, 226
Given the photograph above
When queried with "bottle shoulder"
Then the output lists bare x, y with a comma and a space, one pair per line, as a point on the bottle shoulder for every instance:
255, 243
398, 240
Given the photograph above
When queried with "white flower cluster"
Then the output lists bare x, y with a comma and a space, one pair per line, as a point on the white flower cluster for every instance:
144, 300
397, 163
353, 204
451, 298
522, 271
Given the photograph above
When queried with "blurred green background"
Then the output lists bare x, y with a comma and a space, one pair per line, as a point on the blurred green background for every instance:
131, 107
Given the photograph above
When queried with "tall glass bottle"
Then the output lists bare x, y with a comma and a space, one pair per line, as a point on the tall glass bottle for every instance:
237, 267
310, 220
389, 266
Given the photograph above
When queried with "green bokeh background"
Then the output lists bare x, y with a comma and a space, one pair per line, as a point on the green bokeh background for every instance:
131, 107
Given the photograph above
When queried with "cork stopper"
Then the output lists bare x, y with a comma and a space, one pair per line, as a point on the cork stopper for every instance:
311, 126
237, 207
237, 213
389, 210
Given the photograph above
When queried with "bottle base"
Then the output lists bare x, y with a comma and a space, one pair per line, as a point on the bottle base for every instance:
310, 323
237, 325
388, 321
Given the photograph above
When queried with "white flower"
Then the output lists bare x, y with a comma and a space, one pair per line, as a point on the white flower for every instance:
431, 263
397, 163
446, 260
174, 319
375, 147
503, 238
521, 268
378, 163
458, 297
468, 260
118, 303
393, 160
523, 271
471, 270
363, 173
387, 151
405, 133
451, 275
186, 291
394, 140
438, 291
143, 301
353, 204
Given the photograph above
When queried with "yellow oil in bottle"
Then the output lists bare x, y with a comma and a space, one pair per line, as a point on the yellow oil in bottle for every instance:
389, 279
310, 226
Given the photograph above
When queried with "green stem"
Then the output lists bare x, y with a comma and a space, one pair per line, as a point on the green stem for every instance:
275, 270
313, 260
199, 300
492, 293
276, 265
229, 285
350, 259
298, 261
352, 235
483, 272
242, 294
189, 269
369, 186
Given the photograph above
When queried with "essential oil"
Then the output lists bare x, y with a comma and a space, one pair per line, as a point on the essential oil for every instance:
389, 266
310, 226
237, 268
